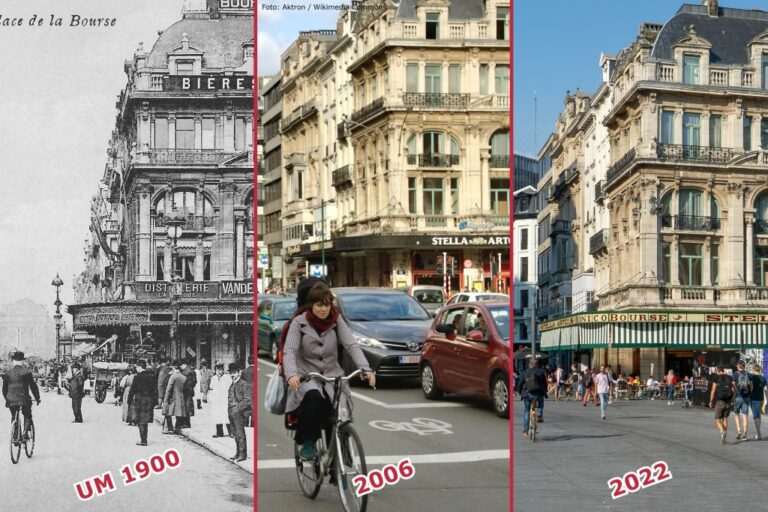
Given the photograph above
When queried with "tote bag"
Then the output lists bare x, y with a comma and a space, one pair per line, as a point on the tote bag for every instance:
277, 394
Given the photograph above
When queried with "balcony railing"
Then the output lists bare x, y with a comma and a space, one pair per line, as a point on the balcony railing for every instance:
693, 153
110, 225
696, 223
341, 130
190, 222
500, 161
598, 241
433, 160
435, 221
757, 294
298, 114
622, 163
690, 293
502, 100
435, 100
342, 175
187, 156
368, 110
600, 192
560, 226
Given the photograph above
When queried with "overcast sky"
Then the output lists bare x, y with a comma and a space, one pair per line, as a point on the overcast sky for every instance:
57, 110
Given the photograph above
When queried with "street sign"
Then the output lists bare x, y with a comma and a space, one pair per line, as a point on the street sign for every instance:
316, 270
264, 260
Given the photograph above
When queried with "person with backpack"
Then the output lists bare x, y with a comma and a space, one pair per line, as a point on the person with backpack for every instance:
532, 386
757, 398
721, 396
741, 405
671, 382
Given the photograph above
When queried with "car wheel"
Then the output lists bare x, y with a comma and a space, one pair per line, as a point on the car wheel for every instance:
429, 383
500, 395
273, 349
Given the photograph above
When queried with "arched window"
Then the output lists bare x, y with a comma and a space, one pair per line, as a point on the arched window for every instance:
434, 151
500, 149
665, 210
183, 202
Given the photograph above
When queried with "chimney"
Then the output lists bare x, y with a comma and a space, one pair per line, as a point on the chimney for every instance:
712, 7
213, 9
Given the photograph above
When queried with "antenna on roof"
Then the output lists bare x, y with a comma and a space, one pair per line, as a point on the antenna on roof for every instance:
535, 120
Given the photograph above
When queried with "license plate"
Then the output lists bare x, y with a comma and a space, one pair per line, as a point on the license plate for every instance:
409, 359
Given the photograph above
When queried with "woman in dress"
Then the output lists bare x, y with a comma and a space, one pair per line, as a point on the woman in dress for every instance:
129, 410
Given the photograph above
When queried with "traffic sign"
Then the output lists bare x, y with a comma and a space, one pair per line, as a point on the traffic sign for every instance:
264, 260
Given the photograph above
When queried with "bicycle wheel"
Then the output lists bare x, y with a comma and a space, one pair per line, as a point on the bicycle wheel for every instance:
29, 444
15, 439
309, 472
350, 462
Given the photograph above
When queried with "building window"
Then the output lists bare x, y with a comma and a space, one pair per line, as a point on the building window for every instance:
185, 133
374, 88
765, 71
690, 264
523, 331
764, 133
715, 131
500, 196
412, 78
501, 76
412, 195
455, 196
185, 67
502, 23
483, 78
666, 256
761, 266
161, 133
433, 196
691, 129
209, 133
667, 127
433, 78
454, 78
385, 78
747, 133
500, 149
690, 202
524, 269
239, 134
160, 265
433, 25
691, 69
524, 239
433, 143
524, 299
715, 265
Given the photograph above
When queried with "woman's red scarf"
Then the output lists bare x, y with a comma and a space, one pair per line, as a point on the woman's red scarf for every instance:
322, 325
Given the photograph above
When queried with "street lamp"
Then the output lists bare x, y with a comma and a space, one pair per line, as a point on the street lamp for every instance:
58, 283
174, 226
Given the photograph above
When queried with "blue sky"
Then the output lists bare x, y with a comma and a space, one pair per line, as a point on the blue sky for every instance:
557, 45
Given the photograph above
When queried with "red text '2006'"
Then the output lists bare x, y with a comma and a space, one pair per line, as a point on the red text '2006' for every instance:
132, 473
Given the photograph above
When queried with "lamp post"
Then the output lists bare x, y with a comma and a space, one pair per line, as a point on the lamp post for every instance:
58, 283
174, 225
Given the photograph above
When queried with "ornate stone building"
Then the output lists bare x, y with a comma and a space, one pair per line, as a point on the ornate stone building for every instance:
180, 175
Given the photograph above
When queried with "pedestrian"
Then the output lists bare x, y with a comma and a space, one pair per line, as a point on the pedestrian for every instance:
240, 401
721, 396
743, 384
575, 379
559, 379
17, 385
205, 382
162, 379
603, 382
532, 386
650, 387
76, 392
149, 340
143, 397
248, 372
190, 383
218, 395
589, 386
129, 411
670, 380
173, 400
118, 391
757, 398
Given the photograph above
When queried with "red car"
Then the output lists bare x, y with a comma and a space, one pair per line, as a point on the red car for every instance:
466, 352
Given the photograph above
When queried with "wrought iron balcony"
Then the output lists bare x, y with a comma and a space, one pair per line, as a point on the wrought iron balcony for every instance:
696, 223
500, 161
598, 241
600, 192
298, 114
433, 160
342, 175
560, 226
702, 154
435, 100
187, 156
367, 111
617, 168
190, 221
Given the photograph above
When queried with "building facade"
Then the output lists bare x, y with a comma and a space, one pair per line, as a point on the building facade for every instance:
681, 263
180, 185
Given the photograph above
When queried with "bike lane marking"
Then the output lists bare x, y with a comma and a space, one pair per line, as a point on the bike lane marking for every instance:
427, 458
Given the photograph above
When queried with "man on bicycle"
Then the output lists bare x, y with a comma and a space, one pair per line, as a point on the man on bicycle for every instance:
16, 386
532, 386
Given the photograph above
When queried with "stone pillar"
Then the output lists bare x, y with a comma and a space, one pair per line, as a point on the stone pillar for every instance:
750, 252
756, 143
734, 236
421, 81
229, 130
649, 231
144, 234
677, 136
199, 259
706, 267
249, 133
199, 211
198, 132
225, 237
168, 259
172, 131
239, 250
705, 119
674, 265
736, 122
485, 181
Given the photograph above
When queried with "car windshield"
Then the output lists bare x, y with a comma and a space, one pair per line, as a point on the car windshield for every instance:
491, 297
284, 310
374, 307
500, 316
429, 296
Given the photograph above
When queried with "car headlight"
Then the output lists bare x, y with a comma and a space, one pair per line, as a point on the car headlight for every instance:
367, 341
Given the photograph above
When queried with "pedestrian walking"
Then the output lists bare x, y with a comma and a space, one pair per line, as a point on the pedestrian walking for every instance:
670, 380
190, 383
603, 382
757, 398
575, 379
76, 392
143, 396
205, 382
248, 372
129, 411
559, 378
721, 397
173, 400
532, 386
162, 379
240, 402
218, 396
588, 380
743, 383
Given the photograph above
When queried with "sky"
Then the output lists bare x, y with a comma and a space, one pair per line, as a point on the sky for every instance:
279, 28
557, 46
57, 110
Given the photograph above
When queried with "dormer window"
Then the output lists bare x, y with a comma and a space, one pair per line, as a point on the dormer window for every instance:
185, 67
433, 25
502, 22
691, 68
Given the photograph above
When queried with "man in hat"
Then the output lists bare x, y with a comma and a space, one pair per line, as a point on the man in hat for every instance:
240, 408
189, 392
17, 384
148, 340
76, 392
206, 374
143, 393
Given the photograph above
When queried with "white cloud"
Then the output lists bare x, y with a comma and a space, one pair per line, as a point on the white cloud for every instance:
269, 14
269, 54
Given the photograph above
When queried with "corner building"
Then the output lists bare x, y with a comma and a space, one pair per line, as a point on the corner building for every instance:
180, 172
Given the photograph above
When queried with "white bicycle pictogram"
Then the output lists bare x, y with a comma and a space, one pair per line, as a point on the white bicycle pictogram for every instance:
421, 426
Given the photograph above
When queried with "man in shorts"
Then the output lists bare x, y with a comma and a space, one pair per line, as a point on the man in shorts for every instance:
756, 399
721, 396
742, 381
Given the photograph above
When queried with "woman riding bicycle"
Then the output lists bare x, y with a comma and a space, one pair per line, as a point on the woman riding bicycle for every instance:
312, 345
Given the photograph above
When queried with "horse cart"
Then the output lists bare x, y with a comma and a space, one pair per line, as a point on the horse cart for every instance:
103, 373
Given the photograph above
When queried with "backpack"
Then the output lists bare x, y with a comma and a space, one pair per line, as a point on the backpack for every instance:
724, 390
743, 383
531, 383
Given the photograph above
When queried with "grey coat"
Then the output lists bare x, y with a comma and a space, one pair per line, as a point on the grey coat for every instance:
173, 402
306, 351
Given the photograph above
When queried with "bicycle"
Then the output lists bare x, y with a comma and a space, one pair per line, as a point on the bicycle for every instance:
344, 459
533, 421
18, 437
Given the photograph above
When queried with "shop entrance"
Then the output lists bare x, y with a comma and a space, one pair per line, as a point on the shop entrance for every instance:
681, 361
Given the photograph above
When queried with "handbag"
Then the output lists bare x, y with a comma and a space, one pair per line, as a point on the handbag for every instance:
277, 394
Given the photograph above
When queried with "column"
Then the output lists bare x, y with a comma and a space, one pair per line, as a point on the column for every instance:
249, 133
421, 79
144, 236
750, 252
756, 142
239, 250
226, 233
199, 211
733, 256
444, 79
168, 260
485, 182
198, 132
199, 259
674, 264
677, 136
171, 131
229, 130
705, 129
736, 134
706, 277
420, 196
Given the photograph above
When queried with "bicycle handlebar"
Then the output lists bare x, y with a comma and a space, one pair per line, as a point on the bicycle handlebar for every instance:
319, 376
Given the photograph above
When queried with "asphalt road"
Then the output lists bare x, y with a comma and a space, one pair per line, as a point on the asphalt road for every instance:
66, 453
461, 462
578, 453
